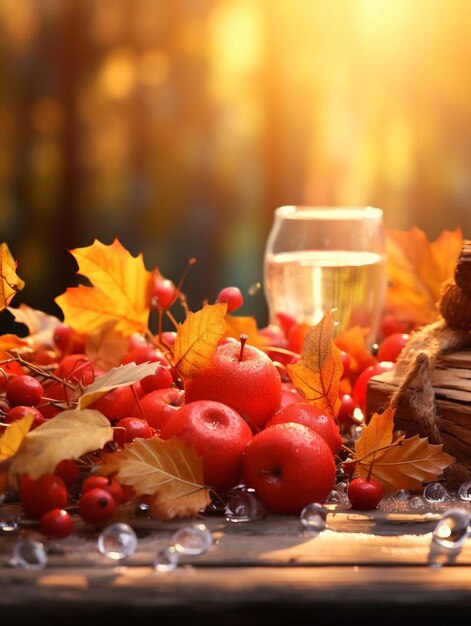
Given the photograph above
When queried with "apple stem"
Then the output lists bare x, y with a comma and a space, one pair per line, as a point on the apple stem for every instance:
243, 341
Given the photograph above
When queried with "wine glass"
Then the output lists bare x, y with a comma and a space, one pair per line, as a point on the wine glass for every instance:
320, 258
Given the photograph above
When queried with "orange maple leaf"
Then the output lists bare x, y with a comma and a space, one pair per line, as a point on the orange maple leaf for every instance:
120, 292
10, 282
169, 471
352, 341
397, 463
318, 372
416, 270
197, 338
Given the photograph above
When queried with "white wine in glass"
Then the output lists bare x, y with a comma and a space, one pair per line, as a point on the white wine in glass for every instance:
327, 258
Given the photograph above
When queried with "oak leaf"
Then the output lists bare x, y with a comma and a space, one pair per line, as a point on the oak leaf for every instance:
120, 291
10, 282
397, 463
239, 325
10, 442
68, 435
121, 376
416, 269
318, 372
169, 471
197, 338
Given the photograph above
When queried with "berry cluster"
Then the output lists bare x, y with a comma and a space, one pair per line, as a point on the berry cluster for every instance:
243, 416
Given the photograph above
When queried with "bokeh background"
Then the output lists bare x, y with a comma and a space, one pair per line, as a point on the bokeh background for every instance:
178, 126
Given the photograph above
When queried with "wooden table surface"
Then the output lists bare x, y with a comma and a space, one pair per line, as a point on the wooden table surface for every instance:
363, 568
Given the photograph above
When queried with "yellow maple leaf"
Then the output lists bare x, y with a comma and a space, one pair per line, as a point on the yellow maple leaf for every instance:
120, 292
401, 463
197, 338
10, 282
318, 372
416, 270
68, 435
239, 325
10, 442
169, 471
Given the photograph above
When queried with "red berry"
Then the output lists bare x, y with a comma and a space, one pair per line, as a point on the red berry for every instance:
96, 505
144, 354
130, 428
104, 482
296, 336
233, 297
390, 324
18, 412
56, 523
391, 347
68, 470
163, 293
116, 404
77, 367
24, 389
361, 383
347, 363
66, 340
365, 493
346, 410
162, 379
43, 494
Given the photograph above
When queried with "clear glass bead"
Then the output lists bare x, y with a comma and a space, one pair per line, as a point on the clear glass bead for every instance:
464, 491
313, 518
452, 529
402, 495
117, 541
334, 497
435, 492
142, 510
166, 559
193, 539
9, 519
243, 506
417, 502
342, 488
29, 554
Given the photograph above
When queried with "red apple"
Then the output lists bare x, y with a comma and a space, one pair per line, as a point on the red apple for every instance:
289, 466
244, 378
361, 383
289, 394
312, 417
157, 407
218, 434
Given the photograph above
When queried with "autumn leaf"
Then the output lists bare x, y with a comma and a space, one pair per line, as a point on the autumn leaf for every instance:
121, 376
11, 342
197, 338
10, 442
40, 325
401, 463
416, 270
318, 372
352, 341
10, 282
238, 325
169, 471
120, 292
106, 346
68, 435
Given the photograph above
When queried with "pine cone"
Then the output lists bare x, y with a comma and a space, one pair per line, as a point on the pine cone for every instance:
455, 305
463, 269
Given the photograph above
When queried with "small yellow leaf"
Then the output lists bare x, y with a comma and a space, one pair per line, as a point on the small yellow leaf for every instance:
169, 471
317, 374
10, 282
121, 376
197, 338
120, 292
375, 435
68, 435
10, 442
407, 465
